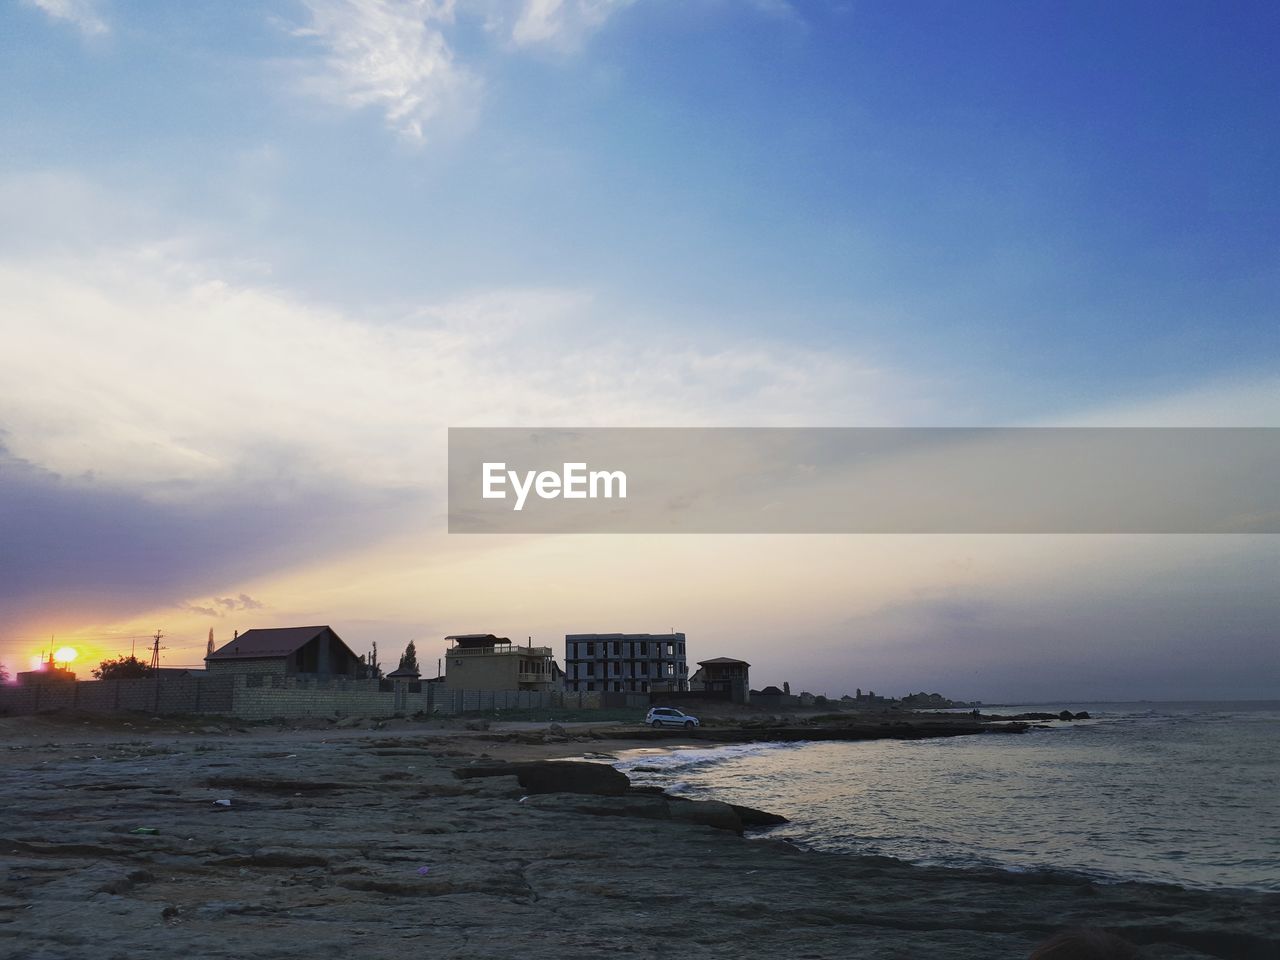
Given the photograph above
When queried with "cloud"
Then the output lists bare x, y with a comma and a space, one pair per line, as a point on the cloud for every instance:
561, 24
82, 13
173, 378
174, 430
86, 550
221, 606
397, 55
388, 54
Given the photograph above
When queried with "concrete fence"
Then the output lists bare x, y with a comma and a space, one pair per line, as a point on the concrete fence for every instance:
265, 696
160, 695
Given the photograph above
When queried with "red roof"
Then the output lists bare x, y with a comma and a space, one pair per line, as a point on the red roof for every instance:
273, 642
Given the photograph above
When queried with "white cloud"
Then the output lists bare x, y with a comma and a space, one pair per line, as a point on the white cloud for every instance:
389, 54
156, 372
561, 24
397, 55
83, 13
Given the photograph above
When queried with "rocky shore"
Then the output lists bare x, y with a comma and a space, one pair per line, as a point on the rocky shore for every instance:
138, 843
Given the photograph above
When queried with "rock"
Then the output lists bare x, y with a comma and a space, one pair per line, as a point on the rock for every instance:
347, 723
556, 776
751, 817
1066, 715
643, 806
1083, 715
477, 725
710, 813
556, 729
273, 858
573, 777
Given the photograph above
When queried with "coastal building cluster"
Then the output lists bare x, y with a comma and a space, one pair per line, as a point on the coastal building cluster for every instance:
312, 671
604, 663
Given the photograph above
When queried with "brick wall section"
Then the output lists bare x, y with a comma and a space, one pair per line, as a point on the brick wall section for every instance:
167, 695
263, 697
267, 665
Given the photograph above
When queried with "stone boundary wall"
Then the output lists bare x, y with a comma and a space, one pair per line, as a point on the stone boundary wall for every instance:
264, 697
163, 695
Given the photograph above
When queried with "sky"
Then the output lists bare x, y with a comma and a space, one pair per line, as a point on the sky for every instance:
256, 258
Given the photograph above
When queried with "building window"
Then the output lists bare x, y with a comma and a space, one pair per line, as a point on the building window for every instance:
591, 649
617, 649
591, 669
590, 687
671, 649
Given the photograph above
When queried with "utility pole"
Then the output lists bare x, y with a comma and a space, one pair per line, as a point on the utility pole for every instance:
155, 650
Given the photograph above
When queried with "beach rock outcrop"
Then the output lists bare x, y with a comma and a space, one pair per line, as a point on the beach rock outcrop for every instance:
559, 776
657, 806
710, 813
751, 817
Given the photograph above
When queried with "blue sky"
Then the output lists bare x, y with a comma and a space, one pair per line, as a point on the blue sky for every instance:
649, 212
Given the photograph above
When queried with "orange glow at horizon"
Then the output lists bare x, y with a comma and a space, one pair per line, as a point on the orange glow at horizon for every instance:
65, 654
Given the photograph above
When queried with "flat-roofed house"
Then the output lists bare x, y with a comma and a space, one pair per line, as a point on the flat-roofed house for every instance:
482, 661
286, 651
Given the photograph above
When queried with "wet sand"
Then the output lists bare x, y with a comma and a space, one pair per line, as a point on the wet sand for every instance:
361, 843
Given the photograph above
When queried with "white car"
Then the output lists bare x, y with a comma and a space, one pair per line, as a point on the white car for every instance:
670, 717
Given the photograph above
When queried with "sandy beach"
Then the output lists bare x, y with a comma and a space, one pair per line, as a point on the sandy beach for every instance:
161, 840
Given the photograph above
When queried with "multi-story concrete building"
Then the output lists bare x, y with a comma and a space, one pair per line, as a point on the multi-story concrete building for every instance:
481, 661
625, 662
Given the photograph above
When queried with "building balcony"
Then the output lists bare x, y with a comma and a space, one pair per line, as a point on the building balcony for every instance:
499, 652
533, 678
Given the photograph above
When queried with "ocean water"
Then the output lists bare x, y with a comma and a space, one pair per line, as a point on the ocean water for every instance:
1184, 793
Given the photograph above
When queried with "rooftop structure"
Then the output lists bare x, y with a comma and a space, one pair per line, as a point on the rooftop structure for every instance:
484, 661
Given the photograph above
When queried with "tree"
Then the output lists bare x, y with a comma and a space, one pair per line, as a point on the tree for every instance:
122, 668
409, 659
372, 669
4, 674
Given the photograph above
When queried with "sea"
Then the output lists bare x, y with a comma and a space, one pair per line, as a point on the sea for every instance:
1182, 793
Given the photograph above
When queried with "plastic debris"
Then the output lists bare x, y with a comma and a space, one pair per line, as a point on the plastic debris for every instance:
144, 830
223, 803
423, 871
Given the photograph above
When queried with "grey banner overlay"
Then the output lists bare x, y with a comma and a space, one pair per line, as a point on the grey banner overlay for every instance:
872, 480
